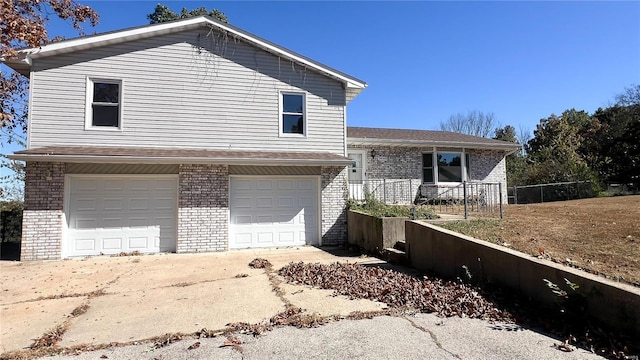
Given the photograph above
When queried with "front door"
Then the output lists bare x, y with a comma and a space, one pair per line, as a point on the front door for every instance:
357, 174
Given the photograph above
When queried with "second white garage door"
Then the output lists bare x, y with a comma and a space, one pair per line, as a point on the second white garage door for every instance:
273, 211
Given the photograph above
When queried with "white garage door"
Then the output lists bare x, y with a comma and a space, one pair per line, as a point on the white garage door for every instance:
112, 214
269, 212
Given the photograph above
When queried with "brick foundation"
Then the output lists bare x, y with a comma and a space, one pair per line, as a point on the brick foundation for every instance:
43, 215
333, 199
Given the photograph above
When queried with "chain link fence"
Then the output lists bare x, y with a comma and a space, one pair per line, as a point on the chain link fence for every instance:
541, 193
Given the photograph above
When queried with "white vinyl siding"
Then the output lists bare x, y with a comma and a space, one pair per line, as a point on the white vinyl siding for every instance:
179, 93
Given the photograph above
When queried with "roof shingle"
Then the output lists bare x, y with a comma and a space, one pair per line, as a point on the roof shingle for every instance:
426, 136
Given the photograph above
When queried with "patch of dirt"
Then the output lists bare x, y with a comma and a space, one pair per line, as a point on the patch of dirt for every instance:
600, 235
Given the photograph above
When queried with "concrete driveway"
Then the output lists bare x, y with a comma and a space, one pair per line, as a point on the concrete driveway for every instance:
105, 300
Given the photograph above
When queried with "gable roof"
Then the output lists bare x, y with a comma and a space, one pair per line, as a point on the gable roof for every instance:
23, 62
426, 138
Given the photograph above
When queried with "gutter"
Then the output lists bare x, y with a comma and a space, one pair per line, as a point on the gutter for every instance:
176, 160
415, 143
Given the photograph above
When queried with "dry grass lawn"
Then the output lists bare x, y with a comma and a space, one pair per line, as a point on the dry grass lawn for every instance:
600, 235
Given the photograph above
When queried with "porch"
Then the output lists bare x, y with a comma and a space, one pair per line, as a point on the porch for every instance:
463, 199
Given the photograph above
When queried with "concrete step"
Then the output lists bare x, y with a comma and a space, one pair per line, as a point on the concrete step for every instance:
400, 245
395, 256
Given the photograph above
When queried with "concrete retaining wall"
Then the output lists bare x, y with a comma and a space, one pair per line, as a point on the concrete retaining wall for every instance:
373, 233
444, 252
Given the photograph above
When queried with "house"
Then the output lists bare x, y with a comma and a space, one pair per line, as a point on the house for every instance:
401, 165
197, 136
187, 136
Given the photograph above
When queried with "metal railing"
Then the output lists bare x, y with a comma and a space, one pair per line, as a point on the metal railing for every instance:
389, 191
463, 199
540, 193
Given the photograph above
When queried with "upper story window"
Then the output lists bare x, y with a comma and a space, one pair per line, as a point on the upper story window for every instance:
104, 108
449, 167
293, 115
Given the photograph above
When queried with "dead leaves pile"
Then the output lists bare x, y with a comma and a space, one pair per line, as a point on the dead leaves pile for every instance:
396, 289
259, 263
50, 338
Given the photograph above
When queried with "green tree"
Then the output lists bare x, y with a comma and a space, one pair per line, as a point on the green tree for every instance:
507, 133
612, 147
24, 24
162, 13
517, 164
554, 151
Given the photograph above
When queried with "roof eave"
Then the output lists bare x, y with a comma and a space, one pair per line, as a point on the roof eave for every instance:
106, 159
428, 143
147, 31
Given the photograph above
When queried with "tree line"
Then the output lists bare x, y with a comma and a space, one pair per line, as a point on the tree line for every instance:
602, 147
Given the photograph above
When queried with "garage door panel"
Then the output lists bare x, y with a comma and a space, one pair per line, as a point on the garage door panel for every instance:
85, 223
242, 219
265, 238
139, 243
285, 202
163, 203
306, 185
285, 185
265, 219
110, 215
87, 204
112, 243
273, 212
85, 244
286, 237
113, 204
139, 204
305, 201
264, 185
264, 202
113, 185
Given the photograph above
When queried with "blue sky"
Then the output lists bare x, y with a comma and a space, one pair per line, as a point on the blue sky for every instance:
425, 61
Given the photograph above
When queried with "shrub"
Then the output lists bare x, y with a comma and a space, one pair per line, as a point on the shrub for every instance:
375, 207
11, 221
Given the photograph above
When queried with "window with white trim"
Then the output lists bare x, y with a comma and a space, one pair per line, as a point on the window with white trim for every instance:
448, 167
293, 114
104, 108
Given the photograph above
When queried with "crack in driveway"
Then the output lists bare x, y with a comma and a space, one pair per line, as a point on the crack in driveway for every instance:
433, 337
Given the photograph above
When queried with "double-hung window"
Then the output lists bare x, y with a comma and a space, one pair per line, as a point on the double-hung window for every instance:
292, 114
104, 104
447, 167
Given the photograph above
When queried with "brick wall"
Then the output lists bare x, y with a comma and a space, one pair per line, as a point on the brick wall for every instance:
203, 208
490, 166
42, 217
333, 198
